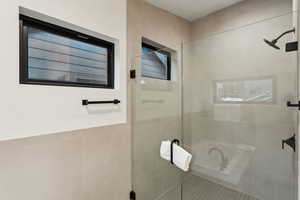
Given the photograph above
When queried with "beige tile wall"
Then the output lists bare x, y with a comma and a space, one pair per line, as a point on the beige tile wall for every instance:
230, 46
88, 164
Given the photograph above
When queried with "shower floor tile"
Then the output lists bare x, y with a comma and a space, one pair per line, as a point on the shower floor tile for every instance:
197, 188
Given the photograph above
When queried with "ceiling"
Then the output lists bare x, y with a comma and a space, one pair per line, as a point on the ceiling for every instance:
192, 9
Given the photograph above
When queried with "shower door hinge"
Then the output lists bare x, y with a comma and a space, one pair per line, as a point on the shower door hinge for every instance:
291, 142
132, 74
132, 195
291, 46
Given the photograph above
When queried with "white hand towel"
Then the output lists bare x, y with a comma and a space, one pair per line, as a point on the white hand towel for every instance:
181, 158
165, 150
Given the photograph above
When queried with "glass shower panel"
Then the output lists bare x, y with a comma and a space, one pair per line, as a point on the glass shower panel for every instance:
236, 88
156, 117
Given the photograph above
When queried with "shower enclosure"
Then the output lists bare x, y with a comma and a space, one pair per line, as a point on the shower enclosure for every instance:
227, 104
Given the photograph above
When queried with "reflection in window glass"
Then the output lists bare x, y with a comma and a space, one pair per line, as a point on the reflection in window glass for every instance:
57, 58
54, 55
155, 64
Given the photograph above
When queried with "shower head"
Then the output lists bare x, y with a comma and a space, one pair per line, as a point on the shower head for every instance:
272, 43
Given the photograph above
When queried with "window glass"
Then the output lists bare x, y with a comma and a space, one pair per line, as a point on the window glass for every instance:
155, 64
56, 58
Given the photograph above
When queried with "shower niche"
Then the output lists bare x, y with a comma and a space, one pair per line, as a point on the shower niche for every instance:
255, 90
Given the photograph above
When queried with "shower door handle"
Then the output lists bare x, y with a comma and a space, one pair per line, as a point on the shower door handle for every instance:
291, 142
289, 104
176, 141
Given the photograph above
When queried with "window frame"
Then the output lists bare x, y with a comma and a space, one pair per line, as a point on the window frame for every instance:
169, 60
25, 22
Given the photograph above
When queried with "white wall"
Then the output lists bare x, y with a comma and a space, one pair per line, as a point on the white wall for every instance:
29, 110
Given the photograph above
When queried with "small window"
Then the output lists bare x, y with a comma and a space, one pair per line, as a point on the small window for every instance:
53, 55
155, 63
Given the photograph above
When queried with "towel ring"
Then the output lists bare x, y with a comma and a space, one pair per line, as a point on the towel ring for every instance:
177, 142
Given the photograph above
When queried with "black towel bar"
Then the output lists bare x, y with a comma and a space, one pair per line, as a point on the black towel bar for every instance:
177, 142
86, 102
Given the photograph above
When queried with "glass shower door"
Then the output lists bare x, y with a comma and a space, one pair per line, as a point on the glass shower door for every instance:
236, 89
156, 117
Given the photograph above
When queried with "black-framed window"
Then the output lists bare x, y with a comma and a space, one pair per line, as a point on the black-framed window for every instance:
54, 55
156, 63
